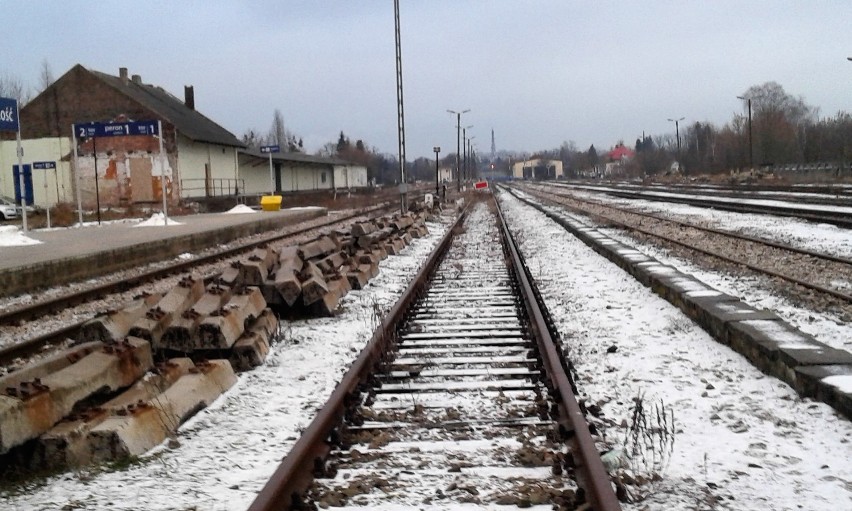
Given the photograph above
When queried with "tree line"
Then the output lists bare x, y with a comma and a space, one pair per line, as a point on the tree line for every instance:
784, 130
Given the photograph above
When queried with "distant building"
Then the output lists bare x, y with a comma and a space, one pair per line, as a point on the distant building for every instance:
297, 172
538, 169
201, 156
617, 157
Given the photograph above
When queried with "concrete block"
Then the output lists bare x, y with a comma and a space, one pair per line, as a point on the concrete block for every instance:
779, 349
180, 334
115, 325
831, 384
172, 305
221, 329
231, 276
251, 349
47, 365
66, 443
363, 228
32, 408
314, 286
256, 268
320, 247
143, 426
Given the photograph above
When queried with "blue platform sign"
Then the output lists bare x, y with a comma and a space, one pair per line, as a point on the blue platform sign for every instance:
8, 114
115, 129
44, 165
270, 149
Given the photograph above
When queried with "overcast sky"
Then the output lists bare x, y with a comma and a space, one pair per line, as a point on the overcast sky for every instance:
538, 72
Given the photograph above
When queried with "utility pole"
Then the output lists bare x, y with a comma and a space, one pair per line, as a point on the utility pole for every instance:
750, 145
677, 135
400, 118
458, 145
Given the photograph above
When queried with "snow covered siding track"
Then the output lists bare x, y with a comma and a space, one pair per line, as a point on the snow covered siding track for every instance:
813, 213
465, 412
811, 367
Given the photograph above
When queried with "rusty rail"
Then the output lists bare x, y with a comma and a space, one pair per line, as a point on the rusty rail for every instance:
591, 472
294, 475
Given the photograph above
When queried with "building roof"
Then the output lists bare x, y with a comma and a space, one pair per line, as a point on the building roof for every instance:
188, 121
621, 152
296, 158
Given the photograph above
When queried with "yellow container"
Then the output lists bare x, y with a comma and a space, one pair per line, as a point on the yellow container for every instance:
270, 202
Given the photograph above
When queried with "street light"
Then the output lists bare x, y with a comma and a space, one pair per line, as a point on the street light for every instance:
437, 178
750, 146
458, 145
677, 134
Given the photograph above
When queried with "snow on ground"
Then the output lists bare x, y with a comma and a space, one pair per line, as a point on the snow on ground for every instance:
239, 209
756, 291
744, 440
825, 238
12, 236
155, 220
229, 450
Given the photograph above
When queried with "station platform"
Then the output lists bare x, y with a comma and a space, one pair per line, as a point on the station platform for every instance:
75, 254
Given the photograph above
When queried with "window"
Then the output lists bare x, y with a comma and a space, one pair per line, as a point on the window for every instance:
322, 177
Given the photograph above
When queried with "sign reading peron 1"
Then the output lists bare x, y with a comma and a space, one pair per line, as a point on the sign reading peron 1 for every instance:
115, 129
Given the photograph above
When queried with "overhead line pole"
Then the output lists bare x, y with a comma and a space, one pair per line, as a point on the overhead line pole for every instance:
458, 145
400, 119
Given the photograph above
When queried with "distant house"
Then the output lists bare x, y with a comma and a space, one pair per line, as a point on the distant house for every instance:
201, 156
297, 172
617, 157
621, 153
537, 168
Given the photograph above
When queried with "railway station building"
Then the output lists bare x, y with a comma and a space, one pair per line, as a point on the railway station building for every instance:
297, 172
201, 157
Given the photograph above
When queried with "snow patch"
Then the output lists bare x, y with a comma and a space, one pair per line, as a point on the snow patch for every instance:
155, 220
11, 236
239, 209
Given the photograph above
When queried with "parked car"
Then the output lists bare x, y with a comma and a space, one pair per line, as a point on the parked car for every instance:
8, 209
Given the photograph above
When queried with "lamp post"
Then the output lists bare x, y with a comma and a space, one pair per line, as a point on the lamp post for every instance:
677, 134
437, 173
458, 145
750, 144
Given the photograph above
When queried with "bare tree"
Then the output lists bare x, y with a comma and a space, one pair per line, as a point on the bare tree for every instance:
278, 134
45, 76
12, 87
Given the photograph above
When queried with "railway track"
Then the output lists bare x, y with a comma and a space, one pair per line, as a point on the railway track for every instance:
827, 276
818, 213
56, 336
462, 397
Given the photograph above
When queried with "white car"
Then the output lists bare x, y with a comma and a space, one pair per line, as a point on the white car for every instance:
8, 209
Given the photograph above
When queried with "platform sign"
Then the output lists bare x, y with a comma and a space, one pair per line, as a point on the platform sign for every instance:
115, 129
44, 165
47, 165
479, 185
270, 149
9, 114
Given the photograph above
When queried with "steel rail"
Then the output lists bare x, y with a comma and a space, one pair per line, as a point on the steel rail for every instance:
33, 311
291, 479
594, 476
783, 246
795, 280
839, 219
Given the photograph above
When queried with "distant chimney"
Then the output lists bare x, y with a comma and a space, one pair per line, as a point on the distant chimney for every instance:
122, 73
189, 96
136, 79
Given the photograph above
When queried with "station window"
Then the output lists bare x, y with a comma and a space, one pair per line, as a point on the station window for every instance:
322, 177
